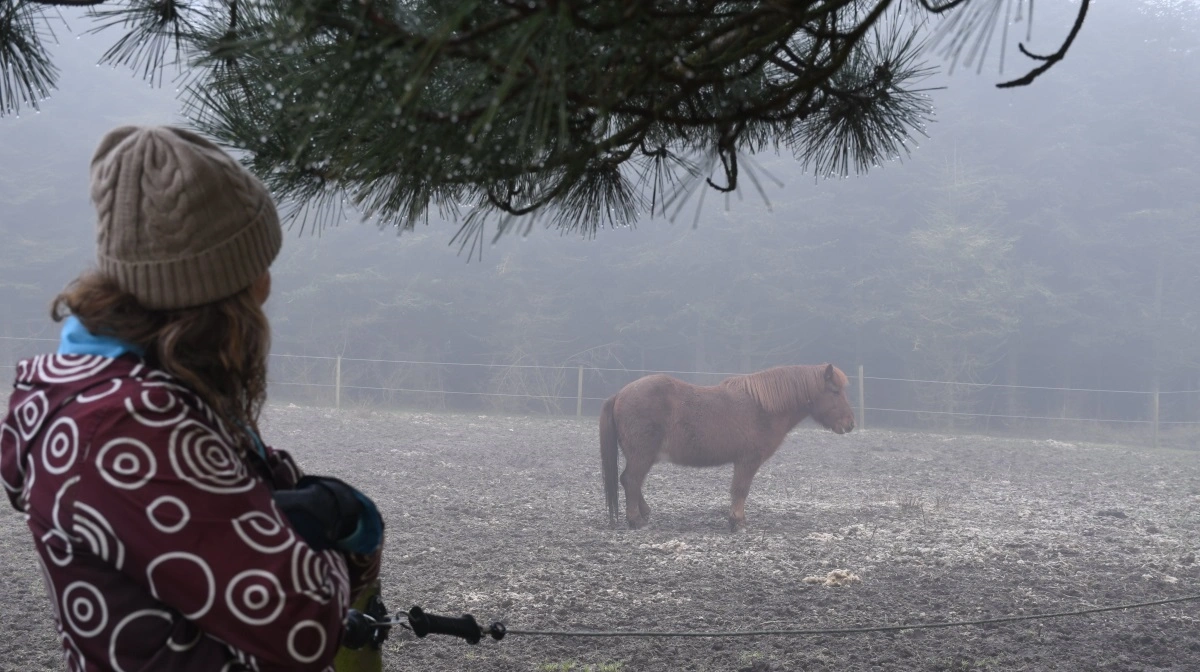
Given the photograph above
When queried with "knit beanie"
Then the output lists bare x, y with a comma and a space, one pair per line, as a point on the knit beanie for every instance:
179, 222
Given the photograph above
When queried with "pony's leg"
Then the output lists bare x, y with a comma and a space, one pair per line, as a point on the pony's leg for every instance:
636, 511
743, 474
643, 507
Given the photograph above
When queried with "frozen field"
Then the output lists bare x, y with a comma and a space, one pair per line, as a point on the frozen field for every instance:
503, 517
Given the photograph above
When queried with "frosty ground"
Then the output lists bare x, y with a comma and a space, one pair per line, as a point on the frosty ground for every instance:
503, 517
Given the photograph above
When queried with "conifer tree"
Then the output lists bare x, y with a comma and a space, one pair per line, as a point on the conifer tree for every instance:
587, 113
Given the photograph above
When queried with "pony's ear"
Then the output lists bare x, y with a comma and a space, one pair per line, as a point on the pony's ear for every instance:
829, 373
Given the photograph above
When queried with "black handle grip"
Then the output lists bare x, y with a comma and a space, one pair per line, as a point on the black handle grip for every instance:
425, 624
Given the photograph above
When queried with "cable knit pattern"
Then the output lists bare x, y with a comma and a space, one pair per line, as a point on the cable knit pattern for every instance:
179, 222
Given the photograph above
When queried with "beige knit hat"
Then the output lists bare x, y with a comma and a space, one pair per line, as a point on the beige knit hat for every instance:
180, 222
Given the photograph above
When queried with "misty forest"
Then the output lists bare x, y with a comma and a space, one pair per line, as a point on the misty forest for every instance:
1022, 282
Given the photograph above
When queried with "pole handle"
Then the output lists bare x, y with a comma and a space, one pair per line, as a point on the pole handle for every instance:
463, 626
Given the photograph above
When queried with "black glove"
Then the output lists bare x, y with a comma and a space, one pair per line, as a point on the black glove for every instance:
323, 510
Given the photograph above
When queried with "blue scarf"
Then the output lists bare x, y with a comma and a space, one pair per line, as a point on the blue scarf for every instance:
77, 340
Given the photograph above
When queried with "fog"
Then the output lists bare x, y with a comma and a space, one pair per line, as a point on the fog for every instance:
1038, 250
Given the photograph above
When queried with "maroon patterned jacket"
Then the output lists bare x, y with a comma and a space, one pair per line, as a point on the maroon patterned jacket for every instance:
161, 546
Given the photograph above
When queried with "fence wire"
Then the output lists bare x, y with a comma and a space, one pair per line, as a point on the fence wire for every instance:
579, 397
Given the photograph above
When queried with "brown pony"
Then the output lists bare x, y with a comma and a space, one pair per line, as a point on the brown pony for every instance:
742, 420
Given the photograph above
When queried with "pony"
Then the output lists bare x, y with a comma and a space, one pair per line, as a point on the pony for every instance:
743, 420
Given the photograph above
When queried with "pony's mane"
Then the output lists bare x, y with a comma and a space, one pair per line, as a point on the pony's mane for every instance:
783, 388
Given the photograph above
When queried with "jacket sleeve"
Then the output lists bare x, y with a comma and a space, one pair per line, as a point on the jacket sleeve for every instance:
364, 565
198, 531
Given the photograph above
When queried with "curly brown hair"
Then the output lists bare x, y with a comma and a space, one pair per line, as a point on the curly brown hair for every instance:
218, 350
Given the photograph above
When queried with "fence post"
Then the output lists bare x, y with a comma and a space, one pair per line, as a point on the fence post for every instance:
1155, 410
337, 383
579, 394
862, 404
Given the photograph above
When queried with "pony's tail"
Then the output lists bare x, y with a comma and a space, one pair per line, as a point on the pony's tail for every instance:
608, 458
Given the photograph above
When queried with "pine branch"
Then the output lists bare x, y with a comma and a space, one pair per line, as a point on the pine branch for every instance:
154, 27
1050, 60
27, 74
552, 93
572, 112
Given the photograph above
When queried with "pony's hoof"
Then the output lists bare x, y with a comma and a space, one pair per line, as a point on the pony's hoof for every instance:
636, 523
737, 525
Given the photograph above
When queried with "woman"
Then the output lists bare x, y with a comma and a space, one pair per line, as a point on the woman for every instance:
169, 536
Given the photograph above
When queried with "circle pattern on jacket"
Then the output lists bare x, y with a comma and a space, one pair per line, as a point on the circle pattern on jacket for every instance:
172, 517
60, 445
114, 646
30, 414
158, 407
201, 457
114, 385
308, 570
69, 368
255, 596
58, 548
262, 532
314, 633
190, 585
126, 463
84, 608
98, 533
